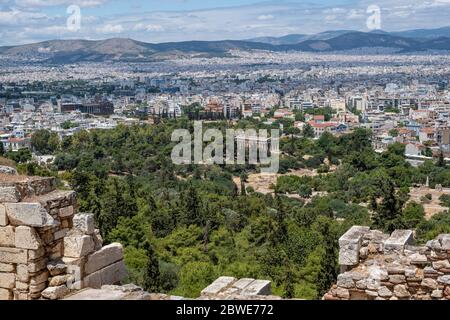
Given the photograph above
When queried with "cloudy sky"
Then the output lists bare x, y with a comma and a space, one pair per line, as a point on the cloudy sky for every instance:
26, 21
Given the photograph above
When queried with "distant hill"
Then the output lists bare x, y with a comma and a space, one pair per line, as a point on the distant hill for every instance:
128, 50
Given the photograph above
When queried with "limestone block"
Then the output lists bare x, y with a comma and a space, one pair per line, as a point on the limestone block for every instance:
444, 239
350, 245
9, 194
258, 288
27, 238
13, 255
345, 280
76, 246
398, 240
110, 275
5, 294
418, 259
429, 283
66, 212
22, 273
7, 236
441, 264
401, 291
384, 292
7, 280
219, 285
241, 284
29, 214
3, 216
55, 293
343, 293
6, 267
444, 280
437, 294
8, 170
104, 257
84, 223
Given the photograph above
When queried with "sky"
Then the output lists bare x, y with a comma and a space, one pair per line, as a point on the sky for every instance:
28, 21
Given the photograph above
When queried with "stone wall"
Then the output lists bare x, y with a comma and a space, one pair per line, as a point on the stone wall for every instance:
378, 266
47, 248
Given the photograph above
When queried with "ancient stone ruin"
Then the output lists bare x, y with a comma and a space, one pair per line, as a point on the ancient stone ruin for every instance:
378, 266
224, 288
47, 248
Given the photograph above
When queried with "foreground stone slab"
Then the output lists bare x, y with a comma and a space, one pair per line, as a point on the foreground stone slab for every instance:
55, 293
398, 240
103, 258
29, 214
258, 288
350, 244
9, 194
112, 274
219, 285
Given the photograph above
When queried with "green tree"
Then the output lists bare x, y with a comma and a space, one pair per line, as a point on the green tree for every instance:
152, 274
308, 131
329, 265
45, 141
413, 215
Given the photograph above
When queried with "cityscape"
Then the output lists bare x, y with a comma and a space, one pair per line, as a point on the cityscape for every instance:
95, 203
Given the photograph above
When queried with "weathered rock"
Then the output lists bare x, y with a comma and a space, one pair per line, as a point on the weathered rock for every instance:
9, 194
384, 292
104, 257
27, 238
59, 280
429, 283
7, 236
444, 279
39, 278
66, 212
8, 170
258, 288
343, 293
84, 223
55, 293
418, 259
29, 214
437, 294
56, 268
219, 285
441, 264
76, 246
397, 279
345, 280
401, 291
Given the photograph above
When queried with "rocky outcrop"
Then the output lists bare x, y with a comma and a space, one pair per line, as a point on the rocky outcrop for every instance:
47, 248
377, 266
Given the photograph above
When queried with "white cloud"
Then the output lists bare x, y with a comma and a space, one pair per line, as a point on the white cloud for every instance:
110, 28
148, 27
53, 3
265, 17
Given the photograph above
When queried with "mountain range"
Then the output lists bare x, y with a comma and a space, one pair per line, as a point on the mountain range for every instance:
119, 49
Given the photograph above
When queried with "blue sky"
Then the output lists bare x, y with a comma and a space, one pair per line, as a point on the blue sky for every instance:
25, 21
